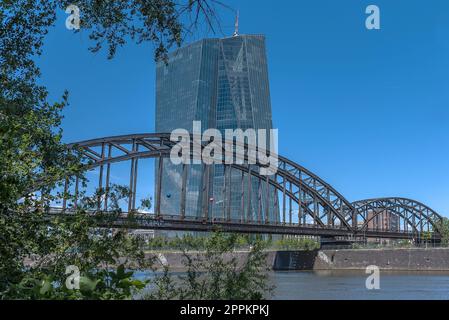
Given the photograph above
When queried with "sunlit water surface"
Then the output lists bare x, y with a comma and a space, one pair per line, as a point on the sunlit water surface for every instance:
350, 285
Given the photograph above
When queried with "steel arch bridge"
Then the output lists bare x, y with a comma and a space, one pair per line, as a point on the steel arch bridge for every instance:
304, 204
414, 214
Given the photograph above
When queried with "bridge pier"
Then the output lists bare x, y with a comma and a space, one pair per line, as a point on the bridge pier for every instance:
338, 242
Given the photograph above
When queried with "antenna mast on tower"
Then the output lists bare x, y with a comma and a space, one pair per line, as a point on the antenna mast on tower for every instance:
236, 30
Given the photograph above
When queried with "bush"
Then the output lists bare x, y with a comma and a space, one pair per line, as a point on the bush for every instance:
297, 244
216, 273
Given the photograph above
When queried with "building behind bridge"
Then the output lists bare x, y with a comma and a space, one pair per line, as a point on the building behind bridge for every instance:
224, 84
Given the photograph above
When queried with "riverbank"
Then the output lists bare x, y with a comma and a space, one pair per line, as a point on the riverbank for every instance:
413, 259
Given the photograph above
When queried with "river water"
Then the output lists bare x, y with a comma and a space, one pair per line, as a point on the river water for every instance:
350, 285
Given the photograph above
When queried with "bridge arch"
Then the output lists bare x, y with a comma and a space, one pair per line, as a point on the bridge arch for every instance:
294, 185
418, 216
298, 195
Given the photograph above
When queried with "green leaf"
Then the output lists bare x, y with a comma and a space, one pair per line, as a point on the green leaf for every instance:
87, 284
138, 284
45, 287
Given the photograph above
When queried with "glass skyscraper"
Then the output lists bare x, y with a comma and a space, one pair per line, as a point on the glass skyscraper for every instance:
224, 84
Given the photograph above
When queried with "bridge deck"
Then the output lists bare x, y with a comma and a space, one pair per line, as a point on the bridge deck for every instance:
175, 223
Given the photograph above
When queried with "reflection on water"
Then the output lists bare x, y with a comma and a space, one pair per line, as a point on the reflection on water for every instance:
350, 285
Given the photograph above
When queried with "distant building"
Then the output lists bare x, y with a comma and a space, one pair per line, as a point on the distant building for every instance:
383, 220
224, 84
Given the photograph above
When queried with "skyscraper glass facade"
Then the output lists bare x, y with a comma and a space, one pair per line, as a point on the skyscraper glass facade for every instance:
224, 84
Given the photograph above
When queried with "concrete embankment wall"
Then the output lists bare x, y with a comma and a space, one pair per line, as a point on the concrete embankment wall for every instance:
176, 260
385, 259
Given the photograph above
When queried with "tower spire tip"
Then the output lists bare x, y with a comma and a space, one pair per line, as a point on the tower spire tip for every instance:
236, 30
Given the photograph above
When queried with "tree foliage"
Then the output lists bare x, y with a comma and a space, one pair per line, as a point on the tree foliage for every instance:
443, 229
29, 133
242, 242
162, 22
216, 273
33, 157
101, 254
36, 247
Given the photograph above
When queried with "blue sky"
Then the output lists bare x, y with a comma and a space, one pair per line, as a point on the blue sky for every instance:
367, 110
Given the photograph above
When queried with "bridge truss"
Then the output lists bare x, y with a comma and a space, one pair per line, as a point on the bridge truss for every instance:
304, 204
